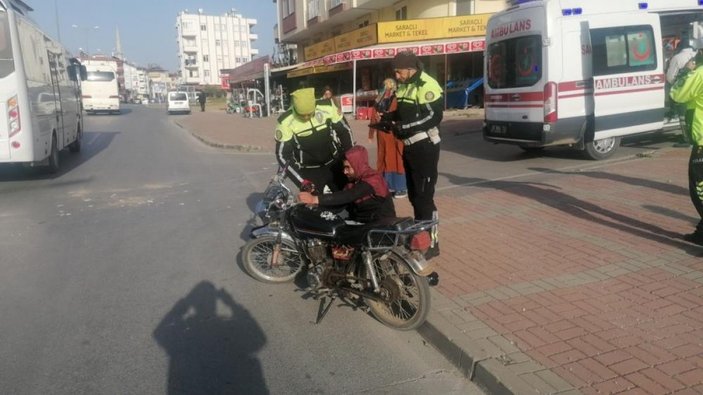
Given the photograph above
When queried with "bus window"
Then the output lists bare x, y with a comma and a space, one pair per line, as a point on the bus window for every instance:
7, 63
101, 76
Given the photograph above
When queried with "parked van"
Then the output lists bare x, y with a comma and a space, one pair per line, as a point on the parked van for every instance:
178, 102
580, 72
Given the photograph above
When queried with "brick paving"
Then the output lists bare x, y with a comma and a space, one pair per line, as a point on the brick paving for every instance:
561, 282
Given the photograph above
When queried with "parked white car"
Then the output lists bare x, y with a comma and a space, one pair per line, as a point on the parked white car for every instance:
178, 102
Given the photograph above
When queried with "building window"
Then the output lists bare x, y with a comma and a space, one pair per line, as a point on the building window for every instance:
334, 3
206, 73
203, 28
464, 7
288, 7
217, 43
313, 9
206, 58
401, 13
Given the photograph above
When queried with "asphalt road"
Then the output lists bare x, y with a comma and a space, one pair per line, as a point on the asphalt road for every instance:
120, 275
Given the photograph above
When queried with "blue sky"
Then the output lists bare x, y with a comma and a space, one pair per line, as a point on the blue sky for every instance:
147, 27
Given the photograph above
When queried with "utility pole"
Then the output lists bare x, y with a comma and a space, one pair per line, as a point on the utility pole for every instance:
58, 26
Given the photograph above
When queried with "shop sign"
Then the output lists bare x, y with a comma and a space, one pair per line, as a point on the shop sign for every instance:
320, 49
356, 39
224, 81
432, 28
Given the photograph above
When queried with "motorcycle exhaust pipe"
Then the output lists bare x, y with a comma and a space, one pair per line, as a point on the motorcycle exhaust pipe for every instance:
433, 279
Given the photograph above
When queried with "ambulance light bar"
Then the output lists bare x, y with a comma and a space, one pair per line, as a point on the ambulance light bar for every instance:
572, 11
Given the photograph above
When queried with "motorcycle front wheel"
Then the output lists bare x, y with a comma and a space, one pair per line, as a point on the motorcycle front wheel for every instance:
406, 295
258, 260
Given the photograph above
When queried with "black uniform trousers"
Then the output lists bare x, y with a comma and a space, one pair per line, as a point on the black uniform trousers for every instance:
695, 183
420, 160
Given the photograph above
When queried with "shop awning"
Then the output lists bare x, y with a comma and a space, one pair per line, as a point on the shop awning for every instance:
387, 51
302, 70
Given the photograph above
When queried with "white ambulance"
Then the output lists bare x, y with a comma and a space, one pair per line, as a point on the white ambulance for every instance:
582, 73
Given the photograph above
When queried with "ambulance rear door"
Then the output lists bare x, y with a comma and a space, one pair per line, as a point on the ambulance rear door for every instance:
628, 73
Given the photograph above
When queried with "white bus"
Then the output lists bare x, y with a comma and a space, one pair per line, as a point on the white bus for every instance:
39, 92
101, 91
580, 72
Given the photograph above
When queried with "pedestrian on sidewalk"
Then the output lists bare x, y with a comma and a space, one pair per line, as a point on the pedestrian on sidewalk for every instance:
328, 94
201, 100
365, 197
311, 137
420, 110
389, 159
689, 89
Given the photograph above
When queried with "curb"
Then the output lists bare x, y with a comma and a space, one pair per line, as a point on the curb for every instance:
234, 147
466, 356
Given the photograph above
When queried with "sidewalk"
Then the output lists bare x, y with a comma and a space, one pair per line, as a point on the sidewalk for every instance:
566, 282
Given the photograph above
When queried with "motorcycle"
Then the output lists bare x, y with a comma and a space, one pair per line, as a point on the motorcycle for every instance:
377, 267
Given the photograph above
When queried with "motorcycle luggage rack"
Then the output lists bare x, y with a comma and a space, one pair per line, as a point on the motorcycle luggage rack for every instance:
385, 239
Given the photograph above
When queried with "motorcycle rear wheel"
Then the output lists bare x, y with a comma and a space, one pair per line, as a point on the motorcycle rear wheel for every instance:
257, 256
407, 294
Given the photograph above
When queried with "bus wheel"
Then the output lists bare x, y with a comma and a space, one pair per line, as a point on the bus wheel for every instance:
602, 149
76, 145
54, 157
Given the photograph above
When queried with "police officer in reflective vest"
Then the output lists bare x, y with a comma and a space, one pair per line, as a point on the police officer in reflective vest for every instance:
312, 137
420, 110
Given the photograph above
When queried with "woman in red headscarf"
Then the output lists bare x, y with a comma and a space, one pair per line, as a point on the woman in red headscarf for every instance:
366, 197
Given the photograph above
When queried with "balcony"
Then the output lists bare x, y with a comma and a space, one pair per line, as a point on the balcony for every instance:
253, 37
289, 24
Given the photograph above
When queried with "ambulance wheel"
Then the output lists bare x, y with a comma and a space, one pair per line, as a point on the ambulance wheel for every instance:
602, 149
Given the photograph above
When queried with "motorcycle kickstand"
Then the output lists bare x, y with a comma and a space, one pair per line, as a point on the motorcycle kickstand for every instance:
322, 313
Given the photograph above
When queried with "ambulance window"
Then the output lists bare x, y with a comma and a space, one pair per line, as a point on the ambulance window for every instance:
515, 62
623, 50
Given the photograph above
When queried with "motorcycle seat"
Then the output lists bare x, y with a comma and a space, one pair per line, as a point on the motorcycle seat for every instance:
355, 234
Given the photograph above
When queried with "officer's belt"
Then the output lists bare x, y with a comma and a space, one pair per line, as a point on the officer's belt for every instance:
422, 136
329, 162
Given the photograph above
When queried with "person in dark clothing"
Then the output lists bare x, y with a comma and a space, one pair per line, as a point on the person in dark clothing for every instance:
311, 138
201, 100
366, 197
420, 110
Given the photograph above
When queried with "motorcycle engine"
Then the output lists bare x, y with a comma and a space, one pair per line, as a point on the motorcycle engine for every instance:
319, 255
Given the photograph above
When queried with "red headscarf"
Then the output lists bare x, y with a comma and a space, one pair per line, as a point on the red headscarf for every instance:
358, 158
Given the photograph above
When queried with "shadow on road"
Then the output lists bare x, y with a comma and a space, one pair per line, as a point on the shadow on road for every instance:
642, 182
92, 144
212, 343
570, 205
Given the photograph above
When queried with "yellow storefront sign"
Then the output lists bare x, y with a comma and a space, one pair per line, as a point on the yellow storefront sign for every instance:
320, 49
356, 39
319, 69
432, 28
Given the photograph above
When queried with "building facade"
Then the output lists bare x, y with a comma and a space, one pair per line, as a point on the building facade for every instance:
209, 43
349, 44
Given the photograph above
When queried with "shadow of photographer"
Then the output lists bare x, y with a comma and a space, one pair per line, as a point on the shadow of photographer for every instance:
212, 343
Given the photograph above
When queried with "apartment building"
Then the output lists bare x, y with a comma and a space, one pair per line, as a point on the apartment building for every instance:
209, 43
349, 44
